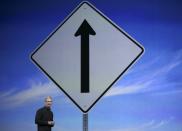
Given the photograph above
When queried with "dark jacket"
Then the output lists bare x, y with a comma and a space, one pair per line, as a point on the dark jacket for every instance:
43, 115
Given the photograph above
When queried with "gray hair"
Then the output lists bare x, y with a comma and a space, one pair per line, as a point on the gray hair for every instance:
48, 97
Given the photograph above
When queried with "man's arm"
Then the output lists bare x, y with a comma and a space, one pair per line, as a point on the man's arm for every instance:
38, 119
52, 121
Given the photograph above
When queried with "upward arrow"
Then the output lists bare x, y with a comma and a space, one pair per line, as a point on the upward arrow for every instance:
84, 31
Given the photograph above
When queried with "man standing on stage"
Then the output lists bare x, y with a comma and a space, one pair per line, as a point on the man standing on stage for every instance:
44, 116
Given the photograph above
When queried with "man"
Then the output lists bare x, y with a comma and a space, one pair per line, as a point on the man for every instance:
44, 116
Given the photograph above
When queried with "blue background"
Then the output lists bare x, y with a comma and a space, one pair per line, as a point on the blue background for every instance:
147, 98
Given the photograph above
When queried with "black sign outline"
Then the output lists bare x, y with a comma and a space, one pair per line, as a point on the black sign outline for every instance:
107, 19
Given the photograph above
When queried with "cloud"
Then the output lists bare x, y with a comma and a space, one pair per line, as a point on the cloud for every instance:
36, 91
152, 79
151, 125
141, 127
148, 126
130, 89
173, 92
162, 123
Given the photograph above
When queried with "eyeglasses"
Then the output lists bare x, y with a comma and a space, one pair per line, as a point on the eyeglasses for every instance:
48, 101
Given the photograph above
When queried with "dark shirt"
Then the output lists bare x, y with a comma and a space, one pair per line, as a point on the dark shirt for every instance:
43, 115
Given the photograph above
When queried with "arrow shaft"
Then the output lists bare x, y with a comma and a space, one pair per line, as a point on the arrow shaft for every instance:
85, 63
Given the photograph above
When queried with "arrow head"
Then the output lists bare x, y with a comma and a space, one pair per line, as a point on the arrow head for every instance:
85, 29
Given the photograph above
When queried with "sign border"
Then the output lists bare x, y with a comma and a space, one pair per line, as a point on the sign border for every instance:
112, 23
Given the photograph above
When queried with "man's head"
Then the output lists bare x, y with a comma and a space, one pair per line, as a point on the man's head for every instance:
48, 101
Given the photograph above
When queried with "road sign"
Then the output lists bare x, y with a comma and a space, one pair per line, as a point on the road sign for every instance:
86, 55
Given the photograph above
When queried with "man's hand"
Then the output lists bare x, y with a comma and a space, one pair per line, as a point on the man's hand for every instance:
51, 123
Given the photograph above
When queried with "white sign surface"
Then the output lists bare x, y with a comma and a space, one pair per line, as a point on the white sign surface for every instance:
86, 55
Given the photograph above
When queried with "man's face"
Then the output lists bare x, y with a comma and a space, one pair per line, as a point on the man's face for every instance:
48, 102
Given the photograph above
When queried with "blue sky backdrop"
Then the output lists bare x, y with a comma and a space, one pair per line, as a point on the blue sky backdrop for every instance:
147, 98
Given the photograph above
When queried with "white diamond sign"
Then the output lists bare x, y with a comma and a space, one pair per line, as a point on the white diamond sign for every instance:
86, 55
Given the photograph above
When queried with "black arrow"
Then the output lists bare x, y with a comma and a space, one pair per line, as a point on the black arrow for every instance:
85, 30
